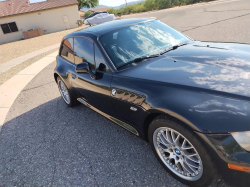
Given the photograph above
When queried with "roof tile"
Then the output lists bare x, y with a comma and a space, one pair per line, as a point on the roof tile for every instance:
13, 7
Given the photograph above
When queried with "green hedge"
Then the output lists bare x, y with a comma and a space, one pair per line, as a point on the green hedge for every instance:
87, 14
149, 5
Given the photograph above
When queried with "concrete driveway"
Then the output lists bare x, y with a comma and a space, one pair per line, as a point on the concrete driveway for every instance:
45, 143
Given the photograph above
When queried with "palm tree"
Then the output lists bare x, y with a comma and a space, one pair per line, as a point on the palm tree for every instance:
87, 3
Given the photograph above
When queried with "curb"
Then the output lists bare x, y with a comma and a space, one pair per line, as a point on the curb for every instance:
10, 90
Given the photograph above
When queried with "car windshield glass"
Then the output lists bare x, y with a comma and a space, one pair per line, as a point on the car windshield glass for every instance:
144, 39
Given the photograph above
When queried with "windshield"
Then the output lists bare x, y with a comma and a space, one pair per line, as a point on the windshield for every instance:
144, 39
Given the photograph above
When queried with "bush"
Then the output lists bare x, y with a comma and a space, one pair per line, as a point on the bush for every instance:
149, 5
87, 14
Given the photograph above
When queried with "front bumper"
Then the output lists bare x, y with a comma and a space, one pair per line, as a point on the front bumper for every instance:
226, 151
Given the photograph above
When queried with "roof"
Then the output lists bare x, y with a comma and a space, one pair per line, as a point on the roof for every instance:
99, 9
14, 7
103, 28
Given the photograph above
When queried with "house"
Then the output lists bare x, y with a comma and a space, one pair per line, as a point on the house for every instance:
81, 13
99, 9
48, 16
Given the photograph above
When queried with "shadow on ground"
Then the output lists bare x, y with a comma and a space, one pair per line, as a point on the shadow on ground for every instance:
53, 145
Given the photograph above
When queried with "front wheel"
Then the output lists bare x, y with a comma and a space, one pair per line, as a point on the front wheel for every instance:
181, 152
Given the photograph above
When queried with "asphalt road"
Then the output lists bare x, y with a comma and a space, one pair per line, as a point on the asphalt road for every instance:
224, 21
45, 143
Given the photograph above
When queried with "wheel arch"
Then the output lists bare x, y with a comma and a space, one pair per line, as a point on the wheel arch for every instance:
157, 112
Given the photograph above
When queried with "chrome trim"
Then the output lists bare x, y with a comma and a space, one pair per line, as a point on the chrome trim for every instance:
117, 121
82, 101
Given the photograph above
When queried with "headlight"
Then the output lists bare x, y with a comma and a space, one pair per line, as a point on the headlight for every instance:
243, 138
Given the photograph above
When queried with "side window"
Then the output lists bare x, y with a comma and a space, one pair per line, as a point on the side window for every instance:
84, 51
9, 27
100, 62
67, 50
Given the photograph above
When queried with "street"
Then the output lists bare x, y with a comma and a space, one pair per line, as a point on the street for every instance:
224, 21
45, 143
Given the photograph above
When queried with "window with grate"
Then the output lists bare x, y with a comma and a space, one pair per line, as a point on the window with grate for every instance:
9, 27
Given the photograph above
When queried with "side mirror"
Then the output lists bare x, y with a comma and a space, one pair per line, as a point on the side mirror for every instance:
84, 68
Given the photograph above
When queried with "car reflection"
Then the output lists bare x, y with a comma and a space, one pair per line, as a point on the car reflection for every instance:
230, 74
215, 106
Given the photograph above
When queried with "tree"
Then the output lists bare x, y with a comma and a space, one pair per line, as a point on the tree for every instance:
87, 3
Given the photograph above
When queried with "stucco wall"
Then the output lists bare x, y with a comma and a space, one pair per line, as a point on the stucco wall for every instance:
48, 20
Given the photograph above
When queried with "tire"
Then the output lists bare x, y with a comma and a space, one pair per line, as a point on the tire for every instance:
175, 156
68, 98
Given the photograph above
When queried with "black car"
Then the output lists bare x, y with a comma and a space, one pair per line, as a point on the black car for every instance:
189, 99
92, 15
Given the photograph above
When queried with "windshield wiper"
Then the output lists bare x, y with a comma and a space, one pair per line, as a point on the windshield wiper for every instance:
173, 48
139, 59
145, 57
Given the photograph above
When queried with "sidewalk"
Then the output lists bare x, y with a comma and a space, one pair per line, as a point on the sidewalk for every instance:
7, 65
11, 88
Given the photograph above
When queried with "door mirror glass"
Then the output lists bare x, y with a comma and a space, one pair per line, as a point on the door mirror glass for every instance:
82, 67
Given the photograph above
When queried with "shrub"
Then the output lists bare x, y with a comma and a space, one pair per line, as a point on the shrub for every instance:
149, 5
87, 14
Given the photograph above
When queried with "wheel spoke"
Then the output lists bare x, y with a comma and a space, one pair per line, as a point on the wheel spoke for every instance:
187, 147
190, 154
162, 141
165, 137
168, 137
183, 143
172, 135
186, 168
190, 167
192, 164
176, 141
194, 159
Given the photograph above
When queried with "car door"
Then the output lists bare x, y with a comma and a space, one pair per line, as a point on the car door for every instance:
96, 92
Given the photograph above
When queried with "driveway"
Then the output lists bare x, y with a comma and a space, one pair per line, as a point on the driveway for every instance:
45, 143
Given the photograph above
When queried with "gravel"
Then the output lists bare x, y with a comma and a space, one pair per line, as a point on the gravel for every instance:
14, 70
16, 49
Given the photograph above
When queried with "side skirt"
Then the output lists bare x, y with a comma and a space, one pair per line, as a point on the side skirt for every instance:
117, 121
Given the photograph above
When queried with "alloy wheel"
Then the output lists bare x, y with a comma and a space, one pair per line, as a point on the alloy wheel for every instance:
177, 153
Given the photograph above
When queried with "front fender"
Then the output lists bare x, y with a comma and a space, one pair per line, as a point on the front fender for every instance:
203, 111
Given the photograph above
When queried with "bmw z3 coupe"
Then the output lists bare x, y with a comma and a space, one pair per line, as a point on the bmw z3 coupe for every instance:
189, 99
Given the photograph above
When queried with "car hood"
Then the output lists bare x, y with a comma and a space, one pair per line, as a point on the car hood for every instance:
223, 67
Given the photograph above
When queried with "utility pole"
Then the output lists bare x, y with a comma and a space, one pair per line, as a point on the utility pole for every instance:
126, 2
